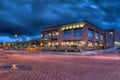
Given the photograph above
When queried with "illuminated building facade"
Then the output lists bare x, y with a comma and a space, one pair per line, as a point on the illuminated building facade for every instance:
79, 35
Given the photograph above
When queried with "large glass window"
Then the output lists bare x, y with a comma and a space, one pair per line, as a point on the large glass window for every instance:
109, 39
97, 35
90, 44
46, 35
54, 36
90, 33
101, 37
67, 33
78, 32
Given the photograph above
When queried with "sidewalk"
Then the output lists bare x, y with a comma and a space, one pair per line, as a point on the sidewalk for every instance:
78, 53
112, 50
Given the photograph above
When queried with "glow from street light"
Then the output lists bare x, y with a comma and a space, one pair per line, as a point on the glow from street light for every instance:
16, 35
41, 35
14, 66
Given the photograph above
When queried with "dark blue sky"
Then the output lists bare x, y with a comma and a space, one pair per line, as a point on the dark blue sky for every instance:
27, 17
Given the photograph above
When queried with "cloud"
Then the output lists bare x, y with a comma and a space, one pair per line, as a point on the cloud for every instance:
27, 17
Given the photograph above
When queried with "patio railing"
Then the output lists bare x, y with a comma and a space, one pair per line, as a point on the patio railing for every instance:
60, 49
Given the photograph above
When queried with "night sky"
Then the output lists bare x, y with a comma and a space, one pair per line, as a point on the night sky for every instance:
27, 17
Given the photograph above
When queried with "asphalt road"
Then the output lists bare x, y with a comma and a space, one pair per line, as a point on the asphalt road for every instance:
60, 67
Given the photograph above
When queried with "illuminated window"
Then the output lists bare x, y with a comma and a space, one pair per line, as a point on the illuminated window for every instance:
90, 44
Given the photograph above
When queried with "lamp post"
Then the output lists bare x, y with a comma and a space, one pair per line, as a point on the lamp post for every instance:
16, 35
16, 41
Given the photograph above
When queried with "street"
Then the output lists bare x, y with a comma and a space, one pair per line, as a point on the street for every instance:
60, 67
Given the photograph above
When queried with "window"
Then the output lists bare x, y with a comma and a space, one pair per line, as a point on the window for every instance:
67, 33
97, 35
54, 36
78, 32
90, 33
109, 39
90, 44
46, 35
101, 37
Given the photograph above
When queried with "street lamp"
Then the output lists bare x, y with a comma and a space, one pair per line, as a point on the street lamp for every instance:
16, 41
41, 35
16, 35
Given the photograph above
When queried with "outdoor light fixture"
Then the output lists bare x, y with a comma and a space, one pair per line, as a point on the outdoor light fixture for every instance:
62, 43
49, 34
49, 44
70, 27
56, 43
83, 42
116, 42
71, 43
14, 66
41, 44
82, 24
66, 28
74, 26
67, 43
77, 26
63, 28
57, 33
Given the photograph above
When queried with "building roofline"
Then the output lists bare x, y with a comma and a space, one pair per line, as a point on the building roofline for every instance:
56, 26
93, 24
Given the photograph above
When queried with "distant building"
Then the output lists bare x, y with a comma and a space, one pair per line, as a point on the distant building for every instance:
1, 44
82, 35
112, 38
